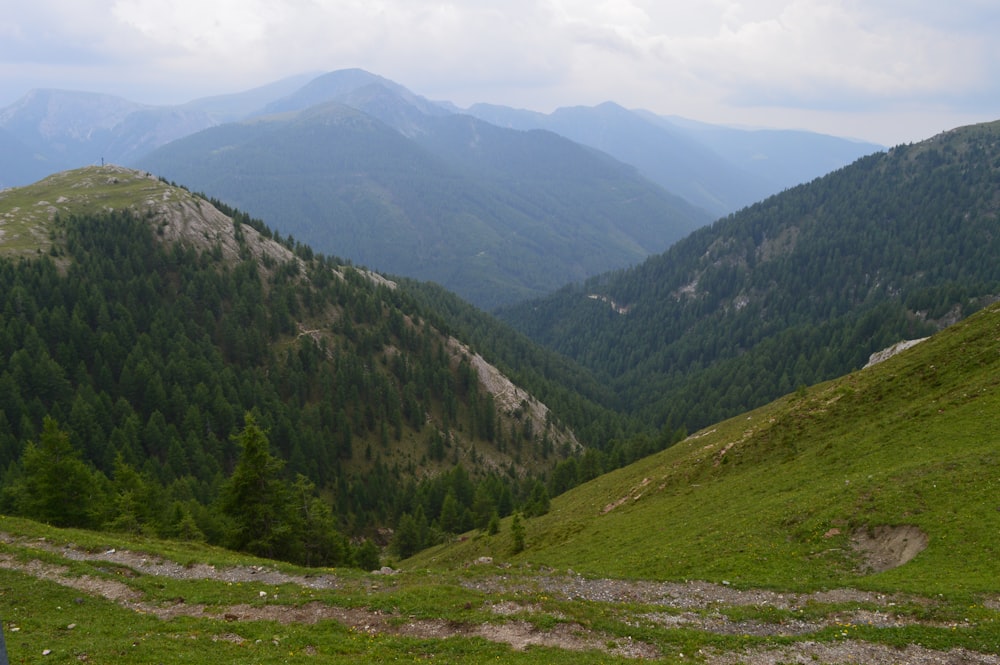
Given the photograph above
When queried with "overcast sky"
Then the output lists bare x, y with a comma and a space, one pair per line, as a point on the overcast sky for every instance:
889, 71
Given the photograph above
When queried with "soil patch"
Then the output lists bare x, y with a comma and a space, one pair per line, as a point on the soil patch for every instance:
518, 634
886, 547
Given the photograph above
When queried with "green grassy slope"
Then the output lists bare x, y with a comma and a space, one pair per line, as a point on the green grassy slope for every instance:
773, 497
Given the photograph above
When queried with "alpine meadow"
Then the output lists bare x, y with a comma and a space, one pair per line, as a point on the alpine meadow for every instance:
330, 372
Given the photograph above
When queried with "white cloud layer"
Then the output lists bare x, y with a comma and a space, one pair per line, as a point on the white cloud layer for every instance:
884, 70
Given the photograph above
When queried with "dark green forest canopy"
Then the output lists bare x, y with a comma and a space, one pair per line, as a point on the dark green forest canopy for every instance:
144, 356
793, 290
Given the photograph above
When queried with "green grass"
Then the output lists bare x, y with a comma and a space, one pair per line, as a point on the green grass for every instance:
47, 620
912, 441
26, 213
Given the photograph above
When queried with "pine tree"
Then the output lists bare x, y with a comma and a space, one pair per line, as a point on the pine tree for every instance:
517, 533
255, 499
58, 487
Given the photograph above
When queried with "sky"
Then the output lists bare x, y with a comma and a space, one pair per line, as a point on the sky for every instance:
886, 71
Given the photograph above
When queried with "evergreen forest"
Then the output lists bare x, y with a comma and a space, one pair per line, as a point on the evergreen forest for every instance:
793, 290
282, 403
231, 385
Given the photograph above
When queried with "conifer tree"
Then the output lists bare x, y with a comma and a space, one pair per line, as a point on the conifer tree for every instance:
58, 487
255, 499
517, 533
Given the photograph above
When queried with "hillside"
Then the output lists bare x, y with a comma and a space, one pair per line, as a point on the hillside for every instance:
854, 521
495, 215
141, 324
882, 480
796, 289
785, 158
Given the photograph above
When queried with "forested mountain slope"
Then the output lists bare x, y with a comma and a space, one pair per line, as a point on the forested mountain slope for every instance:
798, 288
139, 324
495, 215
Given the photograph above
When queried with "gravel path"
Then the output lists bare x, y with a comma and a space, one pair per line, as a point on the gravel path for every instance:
690, 605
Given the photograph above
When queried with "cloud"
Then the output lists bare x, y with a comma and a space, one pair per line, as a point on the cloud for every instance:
708, 58
827, 53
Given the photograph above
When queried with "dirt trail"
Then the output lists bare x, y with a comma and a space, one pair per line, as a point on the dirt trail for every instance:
690, 605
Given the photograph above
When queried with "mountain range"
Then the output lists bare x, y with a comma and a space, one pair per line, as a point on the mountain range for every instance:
532, 212
719, 169
715, 454
154, 342
796, 289
144, 326
494, 215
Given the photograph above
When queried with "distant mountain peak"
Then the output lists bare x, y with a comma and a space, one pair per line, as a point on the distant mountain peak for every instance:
51, 113
354, 87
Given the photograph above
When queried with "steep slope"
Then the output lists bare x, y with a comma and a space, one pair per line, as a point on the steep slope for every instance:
494, 215
793, 290
147, 322
883, 479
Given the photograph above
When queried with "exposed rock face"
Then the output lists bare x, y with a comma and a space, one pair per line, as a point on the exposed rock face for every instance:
510, 398
898, 347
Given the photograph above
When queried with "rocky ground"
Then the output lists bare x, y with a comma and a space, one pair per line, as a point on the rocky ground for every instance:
691, 605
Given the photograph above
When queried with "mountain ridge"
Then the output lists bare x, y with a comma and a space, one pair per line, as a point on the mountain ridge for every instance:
285, 94
795, 289
451, 205
721, 169
141, 324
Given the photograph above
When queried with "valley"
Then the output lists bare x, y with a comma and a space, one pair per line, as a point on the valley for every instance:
220, 443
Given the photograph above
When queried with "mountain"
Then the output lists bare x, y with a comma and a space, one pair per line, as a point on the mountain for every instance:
140, 324
237, 106
881, 480
717, 168
354, 88
783, 157
57, 130
65, 129
495, 215
796, 289
17, 161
